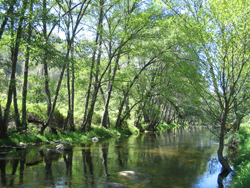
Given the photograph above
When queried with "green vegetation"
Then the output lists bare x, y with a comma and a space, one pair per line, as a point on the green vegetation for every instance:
242, 159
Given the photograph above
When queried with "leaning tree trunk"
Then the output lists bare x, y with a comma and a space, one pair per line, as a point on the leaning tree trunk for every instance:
222, 159
109, 91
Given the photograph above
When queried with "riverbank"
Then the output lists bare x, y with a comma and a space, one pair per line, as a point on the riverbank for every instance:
32, 135
242, 157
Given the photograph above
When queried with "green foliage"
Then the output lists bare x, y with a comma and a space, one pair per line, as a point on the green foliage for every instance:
242, 177
134, 130
96, 119
58, 118
242, 164
37, 111
162, 127
35, 89
25, 138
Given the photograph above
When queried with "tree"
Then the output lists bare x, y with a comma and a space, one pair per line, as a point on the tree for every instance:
219, 30
16, 34
83, 5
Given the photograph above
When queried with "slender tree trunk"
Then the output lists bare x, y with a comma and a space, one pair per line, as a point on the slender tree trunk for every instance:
118, 120
104, 121
26, 69
87, 120
12, 84
88, 93
17, 116
45, 64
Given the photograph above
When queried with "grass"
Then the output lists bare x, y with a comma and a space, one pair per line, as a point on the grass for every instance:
32, 135
241, 178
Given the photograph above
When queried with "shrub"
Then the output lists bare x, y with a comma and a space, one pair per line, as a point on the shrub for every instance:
242, 175
96, 119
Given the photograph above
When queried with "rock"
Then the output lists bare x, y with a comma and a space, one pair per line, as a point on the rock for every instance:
115, 185
21, 144
125, 173
60, 147
63, 142
94, 139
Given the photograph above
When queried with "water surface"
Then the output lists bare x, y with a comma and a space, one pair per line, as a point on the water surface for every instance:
172, 159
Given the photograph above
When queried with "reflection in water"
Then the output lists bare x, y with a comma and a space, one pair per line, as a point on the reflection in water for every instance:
68, 159
3, 170
87, 162
177, 158
104, 148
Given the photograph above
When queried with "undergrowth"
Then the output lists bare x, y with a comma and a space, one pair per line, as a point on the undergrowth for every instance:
241, 179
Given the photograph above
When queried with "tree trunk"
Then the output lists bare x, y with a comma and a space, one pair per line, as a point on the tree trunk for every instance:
26, 69
17, 116
118, 120
87, 120
45, 65
12, 84
222, 159
109, 90
71, 118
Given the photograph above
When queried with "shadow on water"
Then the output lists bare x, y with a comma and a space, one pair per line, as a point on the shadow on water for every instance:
176, 158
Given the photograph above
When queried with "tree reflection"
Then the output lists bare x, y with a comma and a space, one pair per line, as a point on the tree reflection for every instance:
105, 149
87, 161
3, 172
48, 165
14, 168
68, 158
123, 153
21, 169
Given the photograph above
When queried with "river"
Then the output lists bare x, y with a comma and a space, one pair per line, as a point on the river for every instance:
174, 159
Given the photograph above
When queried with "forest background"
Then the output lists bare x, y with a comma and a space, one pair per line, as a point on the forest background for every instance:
132, 65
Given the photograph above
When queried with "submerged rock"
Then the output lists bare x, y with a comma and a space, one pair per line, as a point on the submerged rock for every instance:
115, 185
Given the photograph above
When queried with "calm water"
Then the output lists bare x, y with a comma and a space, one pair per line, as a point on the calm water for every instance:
156, 160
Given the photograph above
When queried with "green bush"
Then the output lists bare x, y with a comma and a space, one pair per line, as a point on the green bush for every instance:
162, 127
242, 164
134, 130
37, 111
96, 119
242, 178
